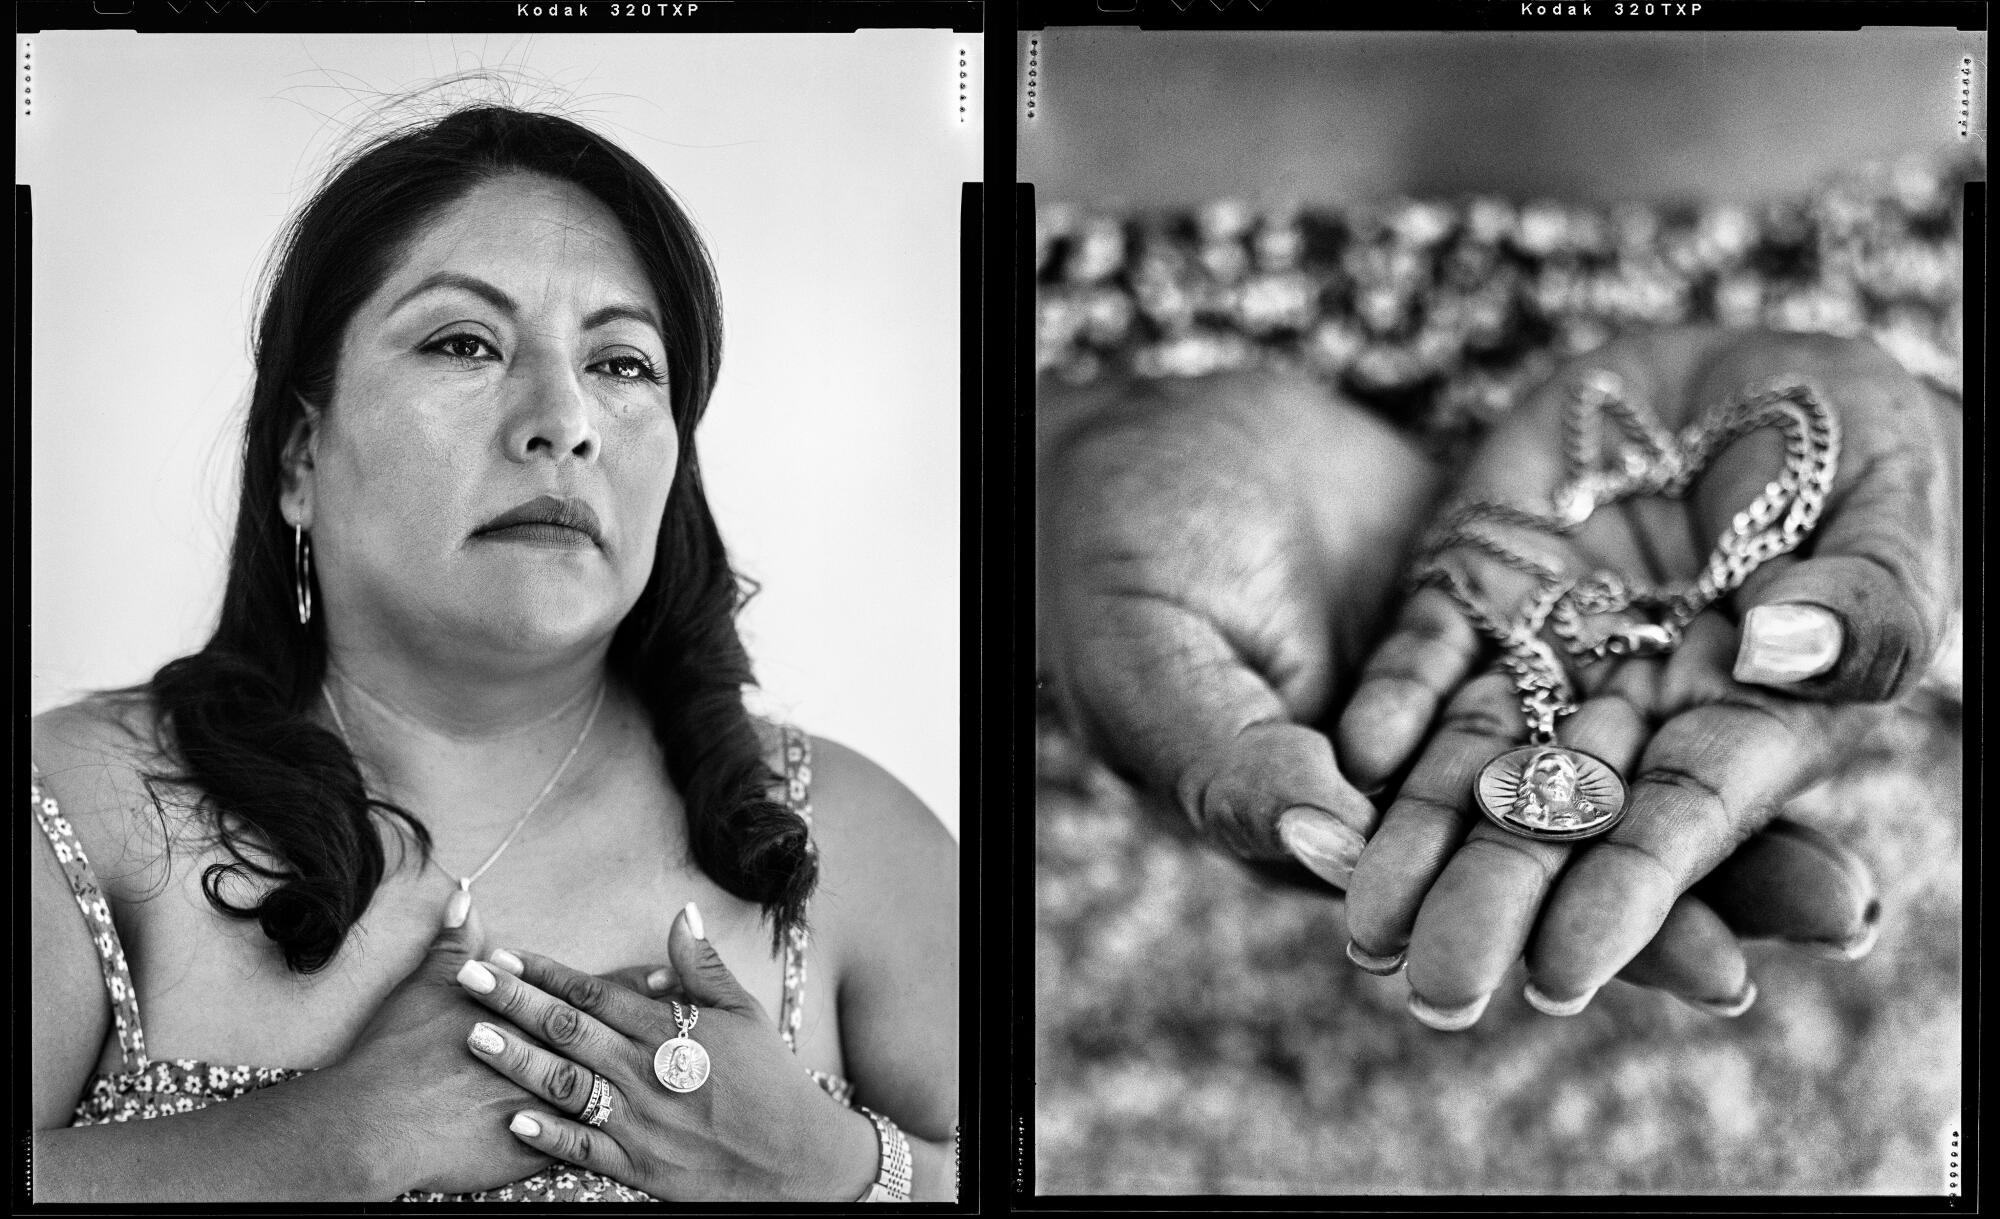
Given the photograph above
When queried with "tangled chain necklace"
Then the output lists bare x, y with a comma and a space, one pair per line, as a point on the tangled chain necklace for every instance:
1547, 790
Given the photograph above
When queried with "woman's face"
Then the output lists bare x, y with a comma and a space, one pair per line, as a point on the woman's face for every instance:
1555, 783
491, 470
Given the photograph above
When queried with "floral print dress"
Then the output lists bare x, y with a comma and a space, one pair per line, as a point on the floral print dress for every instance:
144, 1088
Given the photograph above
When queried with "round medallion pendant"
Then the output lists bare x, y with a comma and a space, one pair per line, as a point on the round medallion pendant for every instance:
681, 1064
1551, 793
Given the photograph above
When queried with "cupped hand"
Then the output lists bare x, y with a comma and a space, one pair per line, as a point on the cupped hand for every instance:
1215, 558
758, 1128
436, 1117
1714, 738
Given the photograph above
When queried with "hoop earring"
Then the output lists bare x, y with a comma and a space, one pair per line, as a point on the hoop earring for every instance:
302, 559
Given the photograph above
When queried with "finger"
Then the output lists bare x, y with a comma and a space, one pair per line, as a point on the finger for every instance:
703, 976
459, 937
1477, 918
1428, 820
557, 1025
1858, 616
572, 1142
1786, 881
1695, 958
1839, 627
1186, 714
653, 980
1403, 683
1712, 774
1159, 689
1792, 883
556, 1079
615, 1000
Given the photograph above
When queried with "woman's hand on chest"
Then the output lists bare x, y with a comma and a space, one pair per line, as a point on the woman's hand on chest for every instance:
753, 1125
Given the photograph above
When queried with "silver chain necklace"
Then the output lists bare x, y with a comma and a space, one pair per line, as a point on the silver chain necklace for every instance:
465, 882
1547, 790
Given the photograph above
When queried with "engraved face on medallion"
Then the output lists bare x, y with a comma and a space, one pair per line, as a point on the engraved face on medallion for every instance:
1546, 794
681, 1065
1550, 792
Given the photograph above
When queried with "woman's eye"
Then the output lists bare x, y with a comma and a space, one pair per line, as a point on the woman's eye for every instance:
631, 368
468, 347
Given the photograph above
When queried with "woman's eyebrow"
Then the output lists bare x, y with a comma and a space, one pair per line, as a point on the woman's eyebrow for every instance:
635, 313
468, 283
506, 304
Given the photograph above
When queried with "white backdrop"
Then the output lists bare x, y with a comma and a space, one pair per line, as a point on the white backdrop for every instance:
824, 170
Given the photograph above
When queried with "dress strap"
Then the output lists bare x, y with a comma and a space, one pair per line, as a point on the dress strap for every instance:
798, 798
97, 915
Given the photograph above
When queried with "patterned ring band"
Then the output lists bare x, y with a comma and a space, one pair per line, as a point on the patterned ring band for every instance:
598, 1110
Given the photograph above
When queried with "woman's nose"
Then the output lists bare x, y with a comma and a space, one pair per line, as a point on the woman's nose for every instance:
552, 416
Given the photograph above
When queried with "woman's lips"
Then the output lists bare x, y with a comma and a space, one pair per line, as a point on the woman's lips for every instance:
541, 534
530, 522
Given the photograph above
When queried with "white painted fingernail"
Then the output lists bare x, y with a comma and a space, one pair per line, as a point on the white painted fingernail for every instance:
1321, 843
1730, 1008
525, 1126
506, 960
457, 908
486, 1039
1787, 643
1379, 966
476, 978
1549, 1006
1448, 1019
695, 928
657, 980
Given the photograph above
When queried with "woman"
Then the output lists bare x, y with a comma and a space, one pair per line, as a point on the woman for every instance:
477, 690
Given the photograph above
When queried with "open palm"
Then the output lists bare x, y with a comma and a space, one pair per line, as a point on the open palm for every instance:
1713, 737
1215, 559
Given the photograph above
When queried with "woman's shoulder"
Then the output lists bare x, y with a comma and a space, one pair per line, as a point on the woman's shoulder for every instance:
885, 921
871, 832
94, 757
104, 739
852, 797
885, 858
854, 794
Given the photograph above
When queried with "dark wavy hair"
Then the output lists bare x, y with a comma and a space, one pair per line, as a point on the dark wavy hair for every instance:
283, 795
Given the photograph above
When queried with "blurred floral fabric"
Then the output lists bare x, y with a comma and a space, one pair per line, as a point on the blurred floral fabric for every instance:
1200, 1030
1438, 313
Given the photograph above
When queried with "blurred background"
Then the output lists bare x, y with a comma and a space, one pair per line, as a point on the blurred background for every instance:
823, 170
1156, 118
1427, 223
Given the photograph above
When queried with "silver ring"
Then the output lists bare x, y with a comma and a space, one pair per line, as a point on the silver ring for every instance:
598, 1110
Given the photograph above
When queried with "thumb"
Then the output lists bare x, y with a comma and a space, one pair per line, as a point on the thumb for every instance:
1175, 706
1859, 612
699, 969
1837, 627
1272, 791
459, 937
